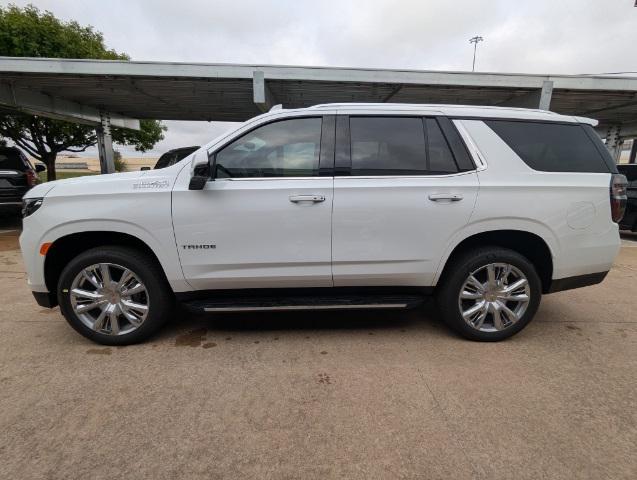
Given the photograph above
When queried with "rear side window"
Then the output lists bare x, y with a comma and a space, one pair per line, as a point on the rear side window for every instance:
388, 146
399, 146
551, 147
439, 154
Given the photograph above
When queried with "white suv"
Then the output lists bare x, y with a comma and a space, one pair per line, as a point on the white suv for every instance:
336, 206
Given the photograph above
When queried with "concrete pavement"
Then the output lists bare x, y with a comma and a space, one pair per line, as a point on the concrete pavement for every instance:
323, 395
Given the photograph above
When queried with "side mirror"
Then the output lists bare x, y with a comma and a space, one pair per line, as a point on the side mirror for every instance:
200, 175
39, 167
145, 168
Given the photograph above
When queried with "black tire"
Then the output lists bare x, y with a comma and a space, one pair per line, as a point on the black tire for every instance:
458, 270
160, 295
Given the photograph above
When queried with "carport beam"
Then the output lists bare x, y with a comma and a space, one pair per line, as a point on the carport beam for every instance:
105, 144
540, 98
262, 96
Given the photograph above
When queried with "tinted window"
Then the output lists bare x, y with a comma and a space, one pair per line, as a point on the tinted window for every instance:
165, 160
629, 170
551, 147
387, 146
438, 153
10, 160
281, 149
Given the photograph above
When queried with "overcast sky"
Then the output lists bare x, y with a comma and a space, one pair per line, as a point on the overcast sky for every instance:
534, 36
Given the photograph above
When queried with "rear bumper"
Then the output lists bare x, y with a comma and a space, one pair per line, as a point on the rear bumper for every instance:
579, 281
45, 299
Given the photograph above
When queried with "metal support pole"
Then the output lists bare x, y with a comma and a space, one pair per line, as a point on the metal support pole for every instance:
545, 95
633, 152
614, 142
105, 144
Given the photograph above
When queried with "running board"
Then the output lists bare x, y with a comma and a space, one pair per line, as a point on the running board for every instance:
294, 303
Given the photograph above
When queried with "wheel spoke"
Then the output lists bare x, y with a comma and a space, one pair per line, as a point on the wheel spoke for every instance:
467, 295
106, 274
479, 321
130, 316
133, 290
497, 318
504, 274
467, 314
99, 321
78, 292
135, 306
91, 278
113, 320
491, 274
515, 285
515, 298
510, 314
475, 283
127, 275
85, 307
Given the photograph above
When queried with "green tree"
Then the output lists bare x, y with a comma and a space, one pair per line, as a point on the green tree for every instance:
28, 32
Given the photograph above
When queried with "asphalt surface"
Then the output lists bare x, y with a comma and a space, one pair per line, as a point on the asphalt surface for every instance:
330, 395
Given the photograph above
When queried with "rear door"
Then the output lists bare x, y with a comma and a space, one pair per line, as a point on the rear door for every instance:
403, 186
265, 219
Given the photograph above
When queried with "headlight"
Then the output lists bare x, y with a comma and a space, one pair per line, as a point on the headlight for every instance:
30, 205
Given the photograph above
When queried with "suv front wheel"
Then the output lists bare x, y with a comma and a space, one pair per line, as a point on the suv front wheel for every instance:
489, 294
114, 295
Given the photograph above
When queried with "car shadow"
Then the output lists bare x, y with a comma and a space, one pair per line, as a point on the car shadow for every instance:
225, 323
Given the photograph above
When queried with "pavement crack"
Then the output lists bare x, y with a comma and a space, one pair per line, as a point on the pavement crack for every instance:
457, 438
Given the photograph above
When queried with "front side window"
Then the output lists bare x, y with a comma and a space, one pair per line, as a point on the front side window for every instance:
288, 148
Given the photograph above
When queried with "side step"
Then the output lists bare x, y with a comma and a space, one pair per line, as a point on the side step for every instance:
292, 303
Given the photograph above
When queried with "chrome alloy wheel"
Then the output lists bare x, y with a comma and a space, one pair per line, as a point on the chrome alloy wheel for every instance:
109, 299
494, 297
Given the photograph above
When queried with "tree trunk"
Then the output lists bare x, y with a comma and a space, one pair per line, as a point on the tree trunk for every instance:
49, 161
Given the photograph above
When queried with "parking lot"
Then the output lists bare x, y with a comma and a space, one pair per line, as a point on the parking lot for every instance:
323, 395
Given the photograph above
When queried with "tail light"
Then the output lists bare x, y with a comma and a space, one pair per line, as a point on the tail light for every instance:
32, 178
618, 197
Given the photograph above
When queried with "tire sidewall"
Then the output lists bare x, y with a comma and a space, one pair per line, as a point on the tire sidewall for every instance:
137, 263
448, 298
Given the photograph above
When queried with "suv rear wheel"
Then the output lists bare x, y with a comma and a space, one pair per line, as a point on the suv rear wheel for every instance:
114, 295
489, 294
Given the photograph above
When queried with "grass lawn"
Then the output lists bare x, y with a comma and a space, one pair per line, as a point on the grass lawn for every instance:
62, 174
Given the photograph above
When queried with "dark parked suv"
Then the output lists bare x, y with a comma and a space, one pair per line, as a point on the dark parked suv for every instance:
629, 222
17, 176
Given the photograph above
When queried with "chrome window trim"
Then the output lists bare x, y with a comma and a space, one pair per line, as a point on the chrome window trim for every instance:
261, 179
389, 177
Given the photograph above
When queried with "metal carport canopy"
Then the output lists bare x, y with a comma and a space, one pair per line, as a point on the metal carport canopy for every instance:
105, 92
197, 91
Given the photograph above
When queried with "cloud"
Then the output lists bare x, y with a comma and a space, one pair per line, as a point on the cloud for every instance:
539, 36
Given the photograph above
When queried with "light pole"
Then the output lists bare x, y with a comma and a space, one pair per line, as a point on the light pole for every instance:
475, 41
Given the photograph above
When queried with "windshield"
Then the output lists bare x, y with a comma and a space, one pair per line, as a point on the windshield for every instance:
10, 160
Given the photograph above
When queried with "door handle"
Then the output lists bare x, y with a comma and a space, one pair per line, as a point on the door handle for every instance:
445, 197
307, 198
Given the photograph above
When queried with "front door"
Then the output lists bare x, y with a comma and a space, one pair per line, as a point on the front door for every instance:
405, 188
265, 219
